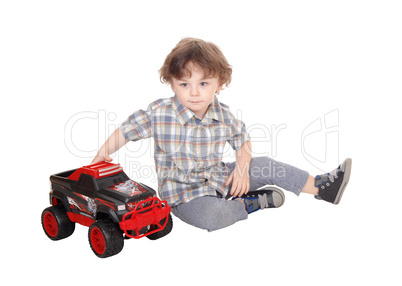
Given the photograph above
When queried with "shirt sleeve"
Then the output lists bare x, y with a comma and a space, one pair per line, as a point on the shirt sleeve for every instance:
238, 134
137, 126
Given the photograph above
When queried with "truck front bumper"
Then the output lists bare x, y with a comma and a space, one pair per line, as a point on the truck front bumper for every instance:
151, 213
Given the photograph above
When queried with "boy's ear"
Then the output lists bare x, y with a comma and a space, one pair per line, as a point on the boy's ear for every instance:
219, 88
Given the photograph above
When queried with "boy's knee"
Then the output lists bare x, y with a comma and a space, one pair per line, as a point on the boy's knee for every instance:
261, 167
262, 161
224, 214
212, 213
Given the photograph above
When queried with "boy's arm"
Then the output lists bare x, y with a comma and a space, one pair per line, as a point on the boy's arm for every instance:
112, 144
240, 175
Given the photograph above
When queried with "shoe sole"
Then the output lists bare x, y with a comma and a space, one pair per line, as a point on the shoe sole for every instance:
347, 164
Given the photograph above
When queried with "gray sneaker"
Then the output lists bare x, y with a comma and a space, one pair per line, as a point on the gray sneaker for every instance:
267, 197
332, 185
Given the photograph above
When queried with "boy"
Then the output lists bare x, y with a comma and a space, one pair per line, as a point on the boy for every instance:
190, 131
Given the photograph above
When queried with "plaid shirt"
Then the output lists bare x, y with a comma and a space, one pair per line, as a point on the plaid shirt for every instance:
188, 150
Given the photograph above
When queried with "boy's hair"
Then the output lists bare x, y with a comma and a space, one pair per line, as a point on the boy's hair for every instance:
203, 54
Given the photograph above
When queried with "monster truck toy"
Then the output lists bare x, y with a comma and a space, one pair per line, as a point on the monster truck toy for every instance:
102, 197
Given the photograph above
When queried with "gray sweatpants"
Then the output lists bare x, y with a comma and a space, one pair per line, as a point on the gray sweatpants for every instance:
214, 212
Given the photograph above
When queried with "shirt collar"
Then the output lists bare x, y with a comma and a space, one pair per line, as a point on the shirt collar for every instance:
185, 114
214, 110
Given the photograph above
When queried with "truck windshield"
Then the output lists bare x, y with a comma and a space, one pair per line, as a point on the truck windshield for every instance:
112, 180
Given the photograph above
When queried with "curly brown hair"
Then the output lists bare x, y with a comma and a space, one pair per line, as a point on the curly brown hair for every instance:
205, 55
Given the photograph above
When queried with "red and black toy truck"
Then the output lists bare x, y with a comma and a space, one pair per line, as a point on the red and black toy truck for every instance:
102, 197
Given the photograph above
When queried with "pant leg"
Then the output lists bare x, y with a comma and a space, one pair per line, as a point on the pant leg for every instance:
267, 171
210, 213
213, 213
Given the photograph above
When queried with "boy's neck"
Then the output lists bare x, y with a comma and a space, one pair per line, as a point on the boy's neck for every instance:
200, 114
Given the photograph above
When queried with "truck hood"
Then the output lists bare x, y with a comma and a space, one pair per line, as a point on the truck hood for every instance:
128, 191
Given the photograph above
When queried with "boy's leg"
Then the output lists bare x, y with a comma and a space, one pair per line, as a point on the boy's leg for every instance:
309, 187
267, 171
329, 186
210, 213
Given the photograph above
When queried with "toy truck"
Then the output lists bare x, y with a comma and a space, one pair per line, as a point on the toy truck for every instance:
114, 207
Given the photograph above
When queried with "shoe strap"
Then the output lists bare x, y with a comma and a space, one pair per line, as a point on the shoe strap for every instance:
251, 204
263, 201
320, 179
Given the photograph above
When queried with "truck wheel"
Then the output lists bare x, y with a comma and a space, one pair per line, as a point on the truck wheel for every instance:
105, 238
56, 224
165, 231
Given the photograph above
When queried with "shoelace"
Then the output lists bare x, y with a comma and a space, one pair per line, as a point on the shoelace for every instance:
333, 175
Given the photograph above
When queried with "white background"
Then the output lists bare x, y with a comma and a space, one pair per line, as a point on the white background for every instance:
72, 71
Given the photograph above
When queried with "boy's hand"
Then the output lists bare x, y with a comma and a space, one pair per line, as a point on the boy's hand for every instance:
99, 158
241, 182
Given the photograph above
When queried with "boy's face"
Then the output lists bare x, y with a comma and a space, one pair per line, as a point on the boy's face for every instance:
196, 92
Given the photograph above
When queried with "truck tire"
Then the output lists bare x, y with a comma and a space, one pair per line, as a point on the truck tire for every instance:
105, 238
165, 231
56, 224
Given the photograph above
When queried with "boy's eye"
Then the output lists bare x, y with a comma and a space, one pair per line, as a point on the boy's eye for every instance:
184, 84
204, 83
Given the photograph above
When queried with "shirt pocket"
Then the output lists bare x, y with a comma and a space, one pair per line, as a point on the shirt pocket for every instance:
171, 142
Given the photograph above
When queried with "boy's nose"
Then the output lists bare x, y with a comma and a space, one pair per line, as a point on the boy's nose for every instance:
195, 91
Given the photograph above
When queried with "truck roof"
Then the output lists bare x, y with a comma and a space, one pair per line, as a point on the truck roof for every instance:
97, 170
